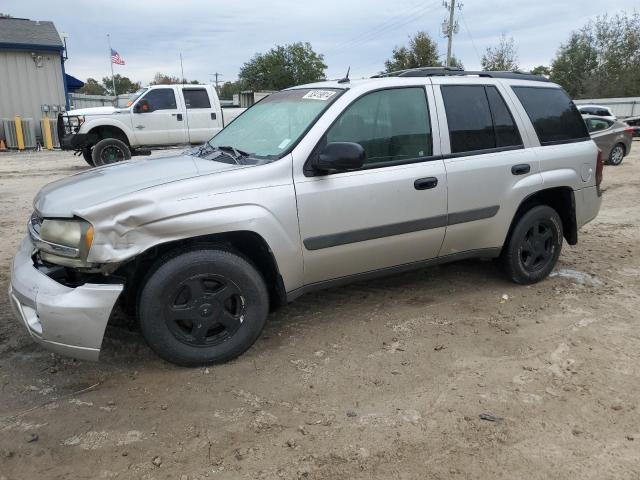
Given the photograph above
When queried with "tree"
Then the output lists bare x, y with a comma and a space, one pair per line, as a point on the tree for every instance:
456, 63
283, 66
421, 52
602, 59
541, 70
123, 85
92, 87
503, 57
228, 89
162, 79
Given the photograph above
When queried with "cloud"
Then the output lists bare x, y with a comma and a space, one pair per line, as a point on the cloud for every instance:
215, 36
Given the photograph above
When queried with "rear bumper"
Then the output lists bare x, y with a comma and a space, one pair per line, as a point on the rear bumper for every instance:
588, 201
66, 320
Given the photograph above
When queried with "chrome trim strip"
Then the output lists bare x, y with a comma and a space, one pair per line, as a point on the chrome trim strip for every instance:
51, 247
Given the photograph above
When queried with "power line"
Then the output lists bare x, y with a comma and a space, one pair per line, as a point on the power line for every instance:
464, 22
393, 23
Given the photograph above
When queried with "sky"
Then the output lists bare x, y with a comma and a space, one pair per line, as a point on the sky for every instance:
219, 36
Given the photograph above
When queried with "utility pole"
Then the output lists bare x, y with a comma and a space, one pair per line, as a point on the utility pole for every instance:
216, 75
451, 26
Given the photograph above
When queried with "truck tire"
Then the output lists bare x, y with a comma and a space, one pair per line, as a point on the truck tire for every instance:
110, 150
87, 155
534, 246
201, 307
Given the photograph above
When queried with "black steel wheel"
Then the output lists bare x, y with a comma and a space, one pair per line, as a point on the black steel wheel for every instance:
202, 307
534, 245
110, 150
206, 310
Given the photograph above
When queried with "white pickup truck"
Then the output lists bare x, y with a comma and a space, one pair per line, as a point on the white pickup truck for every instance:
156, 116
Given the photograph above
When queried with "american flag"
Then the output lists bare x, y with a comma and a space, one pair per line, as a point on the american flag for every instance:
115, 58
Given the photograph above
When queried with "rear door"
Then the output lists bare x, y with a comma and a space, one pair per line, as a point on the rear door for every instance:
601, 133
202, 120
158, 118
392, 211
488, 169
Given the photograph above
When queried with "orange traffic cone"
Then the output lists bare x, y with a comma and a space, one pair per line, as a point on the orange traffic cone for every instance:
3, 147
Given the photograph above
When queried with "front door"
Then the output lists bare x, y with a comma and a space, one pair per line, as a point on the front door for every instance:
157, 120
392, 211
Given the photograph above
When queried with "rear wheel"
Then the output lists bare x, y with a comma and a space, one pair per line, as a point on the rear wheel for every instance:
617, 154
87, 155
110, 150
203, 307
534, 245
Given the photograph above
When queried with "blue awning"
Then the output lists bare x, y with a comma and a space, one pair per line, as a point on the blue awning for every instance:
73, 83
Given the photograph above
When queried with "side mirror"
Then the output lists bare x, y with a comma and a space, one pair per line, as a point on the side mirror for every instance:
141, 107
340, 156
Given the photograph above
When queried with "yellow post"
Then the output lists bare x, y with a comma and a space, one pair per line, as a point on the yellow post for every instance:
46, 133
19, 136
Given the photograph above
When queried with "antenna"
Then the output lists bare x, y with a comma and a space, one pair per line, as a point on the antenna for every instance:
346, 77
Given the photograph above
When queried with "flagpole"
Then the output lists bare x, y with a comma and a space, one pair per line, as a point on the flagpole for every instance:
113, 78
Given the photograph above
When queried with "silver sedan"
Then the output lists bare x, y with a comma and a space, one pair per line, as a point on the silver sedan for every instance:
613, 137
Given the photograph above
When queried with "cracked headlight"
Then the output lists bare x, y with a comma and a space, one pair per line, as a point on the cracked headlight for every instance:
62, 242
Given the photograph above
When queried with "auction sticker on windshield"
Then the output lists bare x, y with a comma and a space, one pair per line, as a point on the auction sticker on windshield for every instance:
319, 95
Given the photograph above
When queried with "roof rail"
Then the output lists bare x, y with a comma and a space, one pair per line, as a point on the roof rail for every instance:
448, 71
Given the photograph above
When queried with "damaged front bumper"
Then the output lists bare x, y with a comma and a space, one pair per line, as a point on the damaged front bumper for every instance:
67, 320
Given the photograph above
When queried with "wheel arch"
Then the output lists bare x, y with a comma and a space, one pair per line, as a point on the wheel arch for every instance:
562, 200
102, 131
246, 243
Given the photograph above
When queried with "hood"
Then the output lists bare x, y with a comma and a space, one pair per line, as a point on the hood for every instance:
92, 187
96, 111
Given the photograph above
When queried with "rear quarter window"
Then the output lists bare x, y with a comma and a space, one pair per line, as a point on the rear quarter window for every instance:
554, 117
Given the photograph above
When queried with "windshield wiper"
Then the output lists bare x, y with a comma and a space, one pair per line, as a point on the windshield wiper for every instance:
237, 154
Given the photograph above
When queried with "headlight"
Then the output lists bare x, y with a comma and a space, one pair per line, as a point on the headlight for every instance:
63, 242
75, 122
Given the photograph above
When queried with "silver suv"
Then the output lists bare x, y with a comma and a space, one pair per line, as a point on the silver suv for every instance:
312, 187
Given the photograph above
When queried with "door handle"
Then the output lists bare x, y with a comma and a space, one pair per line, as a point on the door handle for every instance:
178, 116
425, 183
213, 115
521, 169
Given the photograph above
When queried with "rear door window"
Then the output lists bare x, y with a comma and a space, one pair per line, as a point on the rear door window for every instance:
478, 118
507, 134
196, 98
555, 118
469, 118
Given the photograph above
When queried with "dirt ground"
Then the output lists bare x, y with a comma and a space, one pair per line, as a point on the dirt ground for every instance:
378, 380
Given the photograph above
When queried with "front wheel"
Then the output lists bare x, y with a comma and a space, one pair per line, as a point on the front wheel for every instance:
110, 150
617, 154
534, 246
88, 156
203, 307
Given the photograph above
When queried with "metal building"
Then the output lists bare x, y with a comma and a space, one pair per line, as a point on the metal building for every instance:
32, 78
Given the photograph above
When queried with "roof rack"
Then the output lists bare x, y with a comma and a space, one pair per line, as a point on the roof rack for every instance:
448, 71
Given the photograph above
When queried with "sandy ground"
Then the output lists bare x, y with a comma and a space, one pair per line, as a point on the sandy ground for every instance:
384, 380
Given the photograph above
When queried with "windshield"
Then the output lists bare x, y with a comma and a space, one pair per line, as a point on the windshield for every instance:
135, 96
269, 128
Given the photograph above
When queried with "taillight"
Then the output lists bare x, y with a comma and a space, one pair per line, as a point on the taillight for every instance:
629, 131
599, 169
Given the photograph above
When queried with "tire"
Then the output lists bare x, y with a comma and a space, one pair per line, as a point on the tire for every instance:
534, 246
110, 150
617, 154
184, 300
87, 155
